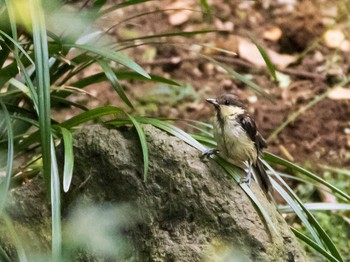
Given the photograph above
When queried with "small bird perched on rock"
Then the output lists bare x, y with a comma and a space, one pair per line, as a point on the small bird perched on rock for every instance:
237, 137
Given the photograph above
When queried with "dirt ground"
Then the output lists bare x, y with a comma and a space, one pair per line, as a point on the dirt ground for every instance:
299, 35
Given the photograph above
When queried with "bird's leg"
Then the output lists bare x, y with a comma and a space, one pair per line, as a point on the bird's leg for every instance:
209, 152
248, 177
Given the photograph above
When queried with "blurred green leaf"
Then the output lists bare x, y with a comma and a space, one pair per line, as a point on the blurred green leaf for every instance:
112, 55
68, 158
270, 65
318, 207
5, 182
314, 245
143, 143
278, 160
114, 81
240, 77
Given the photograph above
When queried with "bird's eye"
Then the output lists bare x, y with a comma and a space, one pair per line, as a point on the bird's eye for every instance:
227, 102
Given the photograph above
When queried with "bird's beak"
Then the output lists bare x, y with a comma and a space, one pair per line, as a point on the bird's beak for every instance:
213, 102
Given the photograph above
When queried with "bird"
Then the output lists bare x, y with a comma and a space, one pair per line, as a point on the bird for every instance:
238, 139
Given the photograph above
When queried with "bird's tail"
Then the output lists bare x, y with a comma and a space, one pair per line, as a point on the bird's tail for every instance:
262, 177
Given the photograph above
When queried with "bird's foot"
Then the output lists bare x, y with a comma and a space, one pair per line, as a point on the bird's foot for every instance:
208, 153
247, 179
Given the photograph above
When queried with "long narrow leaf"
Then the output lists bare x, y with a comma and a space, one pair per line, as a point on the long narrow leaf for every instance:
5, 182
115, 56
318, 207
55, 207
240, 77
47, 145
298, 210
143, 143
114, 81
90, 115
321, 232
68, 158
314, 245
278, 160
270, 65
99, 77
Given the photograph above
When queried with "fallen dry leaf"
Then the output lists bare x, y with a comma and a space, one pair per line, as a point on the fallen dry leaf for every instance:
181, 16
273, 34
248, 51
334, 38
340, 93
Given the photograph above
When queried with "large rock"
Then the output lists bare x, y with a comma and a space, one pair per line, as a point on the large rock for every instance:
187, 210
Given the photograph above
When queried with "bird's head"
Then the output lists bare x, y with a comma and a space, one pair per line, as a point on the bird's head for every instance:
227, 105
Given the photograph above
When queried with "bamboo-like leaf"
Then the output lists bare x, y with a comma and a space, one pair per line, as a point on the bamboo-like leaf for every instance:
270, 65
90, 115
278, 160
5, 182
123, 4
318, 207
55, 206
172, 130
68, 158
18, 46
205, 6
182, 33
208, 141
111, 55
314, 245
143, 143
47, 146
114, 81
100, 77
240, 77
298, 210
321, 232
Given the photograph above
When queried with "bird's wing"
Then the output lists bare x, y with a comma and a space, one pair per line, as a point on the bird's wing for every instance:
248, 124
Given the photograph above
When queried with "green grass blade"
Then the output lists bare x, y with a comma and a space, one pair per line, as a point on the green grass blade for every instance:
182, 33
3, 256
318, 207
321, 233
112, 55
124, 4
55, 207
314, 245
17, 46
205, 6
270, 65
143, 143
298, 211
5, 182
172, 130
68, 158
50, 169
240, 77
61, 100
114, 81
100, 77
278, 160
91, 115
208, 141
43, 83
